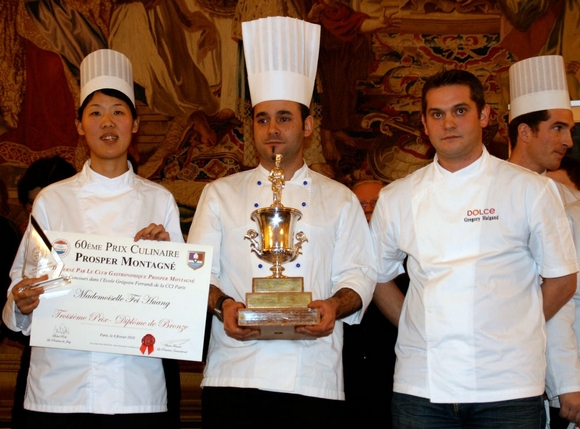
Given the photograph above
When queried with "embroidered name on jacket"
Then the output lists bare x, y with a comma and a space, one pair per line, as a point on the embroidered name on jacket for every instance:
478, 215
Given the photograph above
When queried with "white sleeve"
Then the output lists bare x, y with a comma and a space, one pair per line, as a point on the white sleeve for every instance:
172, 223
206, 229
353, 258
385, 232
563, 367
13, 319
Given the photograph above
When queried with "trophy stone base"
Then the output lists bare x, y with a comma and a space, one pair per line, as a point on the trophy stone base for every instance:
278, 323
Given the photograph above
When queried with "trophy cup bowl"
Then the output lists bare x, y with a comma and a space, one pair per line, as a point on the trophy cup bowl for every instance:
275, 240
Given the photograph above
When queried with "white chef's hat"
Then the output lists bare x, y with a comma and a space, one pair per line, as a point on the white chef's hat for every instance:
106, 69
538, 83
281, 58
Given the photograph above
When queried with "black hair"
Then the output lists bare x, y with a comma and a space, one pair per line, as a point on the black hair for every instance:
572, 168
531, 119
42, 173
111, 93
455, 77
304, 112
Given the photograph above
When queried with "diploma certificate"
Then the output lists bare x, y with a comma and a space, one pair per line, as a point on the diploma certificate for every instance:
144, 298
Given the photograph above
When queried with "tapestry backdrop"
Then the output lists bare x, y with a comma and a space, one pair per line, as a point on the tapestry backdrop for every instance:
190, 78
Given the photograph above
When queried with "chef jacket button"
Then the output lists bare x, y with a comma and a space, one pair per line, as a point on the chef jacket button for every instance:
297, 265
303, 204
259, 183
256, 204
305, 183
260, 266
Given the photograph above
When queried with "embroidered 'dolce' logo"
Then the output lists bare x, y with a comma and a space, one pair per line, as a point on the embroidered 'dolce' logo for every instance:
478, 215
195, 259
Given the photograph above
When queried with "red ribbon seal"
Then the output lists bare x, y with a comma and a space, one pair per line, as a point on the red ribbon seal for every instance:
147, 343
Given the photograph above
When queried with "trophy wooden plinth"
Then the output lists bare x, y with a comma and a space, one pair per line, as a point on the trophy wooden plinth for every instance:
276, 307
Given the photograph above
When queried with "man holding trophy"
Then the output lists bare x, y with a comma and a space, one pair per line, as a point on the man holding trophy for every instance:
249, 378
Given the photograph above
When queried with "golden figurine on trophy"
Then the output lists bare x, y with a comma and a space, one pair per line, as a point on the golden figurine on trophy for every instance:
277, 303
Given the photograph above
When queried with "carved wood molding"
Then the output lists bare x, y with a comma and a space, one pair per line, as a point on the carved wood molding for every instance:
448, 6
449, 16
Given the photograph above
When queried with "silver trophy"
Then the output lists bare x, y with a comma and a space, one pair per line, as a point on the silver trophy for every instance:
277, 303
40, 258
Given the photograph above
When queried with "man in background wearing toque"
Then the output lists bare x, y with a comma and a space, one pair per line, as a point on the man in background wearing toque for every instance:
540, 129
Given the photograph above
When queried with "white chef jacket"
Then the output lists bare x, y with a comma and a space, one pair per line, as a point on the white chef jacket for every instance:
71, 381
472, 327
567, 194
563, 366
563, 371
573, 211
338, 254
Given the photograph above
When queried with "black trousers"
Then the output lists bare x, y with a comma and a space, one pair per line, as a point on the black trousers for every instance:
228, 407
36, 420
557, 422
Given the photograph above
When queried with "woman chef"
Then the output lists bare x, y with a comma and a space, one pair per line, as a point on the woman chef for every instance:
70, 388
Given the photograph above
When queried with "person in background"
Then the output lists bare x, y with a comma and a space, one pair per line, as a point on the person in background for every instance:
369, 348
480, 235
71, 388
367, 192
40, 174
540, 137
11, 237
540, 128
568, 174
558, 419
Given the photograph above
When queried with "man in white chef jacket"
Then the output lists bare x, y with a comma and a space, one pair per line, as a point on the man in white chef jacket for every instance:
540, 128
281, 383
478, 232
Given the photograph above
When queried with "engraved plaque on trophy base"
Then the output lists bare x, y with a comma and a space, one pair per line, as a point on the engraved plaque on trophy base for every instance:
278, 323
278, 300
284, 284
